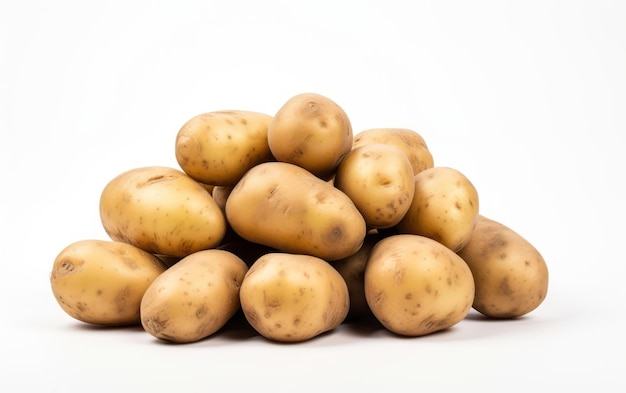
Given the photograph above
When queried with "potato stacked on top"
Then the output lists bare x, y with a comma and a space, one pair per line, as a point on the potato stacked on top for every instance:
301, 225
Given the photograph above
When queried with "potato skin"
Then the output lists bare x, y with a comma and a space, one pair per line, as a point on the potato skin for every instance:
511, 275
445, 206
218, 147
311, 131
161, 210
194, 298
293, 297
415, 286
352, 269
409, 141
101, 282
284, 206
379, 180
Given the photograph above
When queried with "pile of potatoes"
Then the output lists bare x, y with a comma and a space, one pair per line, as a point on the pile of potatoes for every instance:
299, 224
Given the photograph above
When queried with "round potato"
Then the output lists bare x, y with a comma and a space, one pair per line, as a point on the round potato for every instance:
101, 282
415, 285
284, 206
161, 210
194, 298
407, 140
379, 180
218, 147
293, 297
444, 207
311, 131
511, 275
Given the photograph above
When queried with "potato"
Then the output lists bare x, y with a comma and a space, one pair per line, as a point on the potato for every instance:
161, 210
511, 275
194, 298
378, 178
284, 206
352, 269
311, 131
218, 147
415, 285
409, 141
101, 282
444, 207
220, 195
293, 297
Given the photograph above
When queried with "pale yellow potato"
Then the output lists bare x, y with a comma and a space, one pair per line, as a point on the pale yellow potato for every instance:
409, 141
352, 269
511, 275
378, 178
293, 297
311, 131
161, 210
218, 147
284, 206
101, 282
444, 207
194, 298
415, 285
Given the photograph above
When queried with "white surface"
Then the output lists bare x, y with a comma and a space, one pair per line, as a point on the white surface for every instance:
526, 98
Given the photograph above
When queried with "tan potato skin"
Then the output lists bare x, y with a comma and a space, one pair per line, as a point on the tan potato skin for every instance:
379, 180
311, 131
416, 286
293, 297
352, 269
444, 207
194, 298
409, 141
161, 210
511, 275
218, 147
284, 206
101, 282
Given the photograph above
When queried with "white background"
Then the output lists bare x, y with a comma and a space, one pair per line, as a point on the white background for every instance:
527, 98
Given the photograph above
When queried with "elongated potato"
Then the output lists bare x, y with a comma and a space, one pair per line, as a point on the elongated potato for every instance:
378, 178
311, 131
511, 275
161, 210
194, 298
409, 141
101, 282
284, 206
444, 207
293, 297
218, 147
415, 285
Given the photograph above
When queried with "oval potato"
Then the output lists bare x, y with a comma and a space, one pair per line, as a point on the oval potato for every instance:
511, 275
217, 148
378, 178
194, 298
409, 141
161, 210
444, 207
311, 131
415, 286
101, 282
293, 297
284, 206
